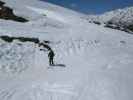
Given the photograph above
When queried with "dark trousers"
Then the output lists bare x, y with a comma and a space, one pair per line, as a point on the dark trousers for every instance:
51, 61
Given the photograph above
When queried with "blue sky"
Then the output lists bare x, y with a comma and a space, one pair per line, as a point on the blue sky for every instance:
92, 6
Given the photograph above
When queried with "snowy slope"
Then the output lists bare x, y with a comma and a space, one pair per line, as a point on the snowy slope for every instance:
98, 60
122, 15
121, 19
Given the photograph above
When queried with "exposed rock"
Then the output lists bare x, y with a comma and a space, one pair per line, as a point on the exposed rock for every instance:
120, 19
21, 39
130, 27
10, 39
1, 3
7, 14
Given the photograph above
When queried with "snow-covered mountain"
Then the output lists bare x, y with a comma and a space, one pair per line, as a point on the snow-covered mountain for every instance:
121, 18
98, 60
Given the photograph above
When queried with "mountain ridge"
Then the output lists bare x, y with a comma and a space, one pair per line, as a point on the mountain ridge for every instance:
121, 19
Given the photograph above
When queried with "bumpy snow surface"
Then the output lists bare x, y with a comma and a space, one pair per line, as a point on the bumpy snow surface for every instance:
98, 60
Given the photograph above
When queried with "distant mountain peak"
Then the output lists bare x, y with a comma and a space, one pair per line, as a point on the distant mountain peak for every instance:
121, 18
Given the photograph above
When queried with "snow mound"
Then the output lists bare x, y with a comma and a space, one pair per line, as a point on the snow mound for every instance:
15, 57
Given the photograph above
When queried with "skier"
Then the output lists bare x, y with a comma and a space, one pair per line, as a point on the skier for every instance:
51, 57
50, 54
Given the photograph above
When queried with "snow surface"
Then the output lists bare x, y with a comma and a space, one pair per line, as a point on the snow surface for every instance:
98, 60
119, 16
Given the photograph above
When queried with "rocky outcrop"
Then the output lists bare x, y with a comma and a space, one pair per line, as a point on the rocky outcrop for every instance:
1, 3
121, 19
7, 14
21, 39
10, 39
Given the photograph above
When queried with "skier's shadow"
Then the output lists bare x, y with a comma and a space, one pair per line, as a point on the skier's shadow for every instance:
59, 65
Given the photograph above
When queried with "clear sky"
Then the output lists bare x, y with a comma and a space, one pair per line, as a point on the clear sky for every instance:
92, 6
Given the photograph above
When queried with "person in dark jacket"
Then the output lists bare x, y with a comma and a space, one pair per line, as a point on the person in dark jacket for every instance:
51, 53
51, 57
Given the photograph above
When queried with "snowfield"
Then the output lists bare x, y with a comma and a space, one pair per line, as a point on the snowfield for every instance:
98, 60
123, 16
120, 19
